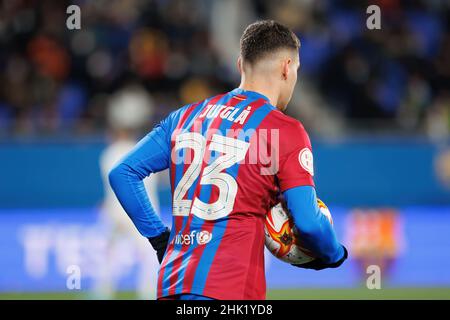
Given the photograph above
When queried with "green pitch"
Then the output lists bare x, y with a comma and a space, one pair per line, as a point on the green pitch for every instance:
283, 294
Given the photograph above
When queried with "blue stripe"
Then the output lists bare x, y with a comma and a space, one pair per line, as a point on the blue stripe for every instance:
196, 222
205, 193
179, 168
168, 268
179, 173
221, 224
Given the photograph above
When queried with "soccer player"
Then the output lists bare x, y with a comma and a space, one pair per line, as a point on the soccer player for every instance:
229, 157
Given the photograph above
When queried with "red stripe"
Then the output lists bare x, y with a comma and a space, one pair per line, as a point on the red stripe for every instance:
215, 124
180, 124
209, 225
232, 226
178, 259
178, 222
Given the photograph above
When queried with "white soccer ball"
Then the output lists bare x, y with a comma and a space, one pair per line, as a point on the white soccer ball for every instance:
282, 238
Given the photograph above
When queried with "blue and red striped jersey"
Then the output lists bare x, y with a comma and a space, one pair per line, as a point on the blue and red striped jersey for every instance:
229, 157
225, 158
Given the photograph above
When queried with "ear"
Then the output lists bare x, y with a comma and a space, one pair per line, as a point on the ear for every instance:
239, 64
285, 68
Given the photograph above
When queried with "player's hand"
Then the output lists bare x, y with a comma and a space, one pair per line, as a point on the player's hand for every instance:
159, 243
318, 264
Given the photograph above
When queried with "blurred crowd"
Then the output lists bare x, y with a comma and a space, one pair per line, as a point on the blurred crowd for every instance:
172, 52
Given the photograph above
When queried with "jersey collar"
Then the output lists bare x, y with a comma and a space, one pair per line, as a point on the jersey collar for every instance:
249, 93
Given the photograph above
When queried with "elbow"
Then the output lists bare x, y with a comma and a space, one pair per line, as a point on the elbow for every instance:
117, 174
123, 172
113, 176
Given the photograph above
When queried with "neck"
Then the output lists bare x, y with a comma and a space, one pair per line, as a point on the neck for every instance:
263, 88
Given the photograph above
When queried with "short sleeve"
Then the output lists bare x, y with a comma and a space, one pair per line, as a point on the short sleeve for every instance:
296, 162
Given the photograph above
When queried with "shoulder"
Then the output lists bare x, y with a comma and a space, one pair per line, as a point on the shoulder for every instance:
189, 108
286, 124
173, 118
177, 113
291, 134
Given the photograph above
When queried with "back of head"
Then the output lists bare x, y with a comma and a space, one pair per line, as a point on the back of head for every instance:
269, 60
265, 37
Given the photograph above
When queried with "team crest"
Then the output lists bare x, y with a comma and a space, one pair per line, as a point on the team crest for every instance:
203, 237
305, 157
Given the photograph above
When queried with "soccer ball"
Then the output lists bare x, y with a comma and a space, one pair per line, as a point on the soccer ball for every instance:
282, 237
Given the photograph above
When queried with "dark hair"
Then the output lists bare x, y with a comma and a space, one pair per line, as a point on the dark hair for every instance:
266, 36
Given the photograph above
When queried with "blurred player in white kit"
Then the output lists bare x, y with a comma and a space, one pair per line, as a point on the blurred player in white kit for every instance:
128, 110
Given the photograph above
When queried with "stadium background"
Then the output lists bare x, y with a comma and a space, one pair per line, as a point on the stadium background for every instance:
375, 102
